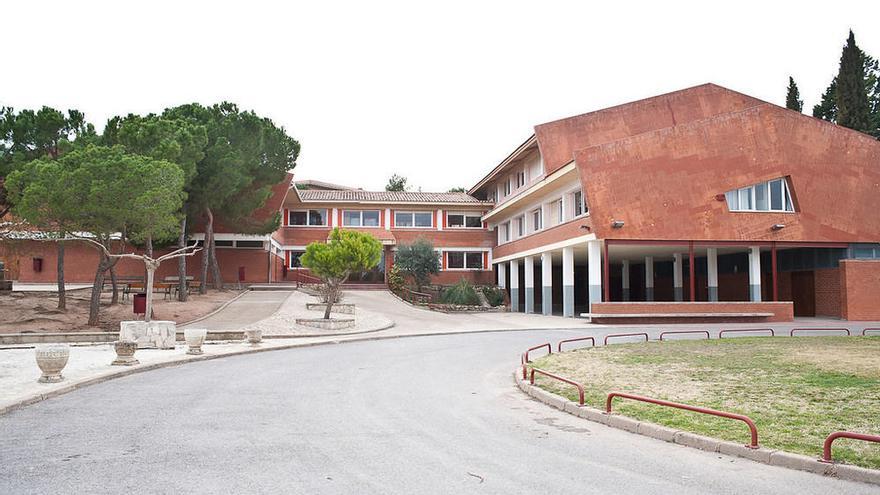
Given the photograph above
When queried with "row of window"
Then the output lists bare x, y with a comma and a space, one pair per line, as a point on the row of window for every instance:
766, 196
533, 220
455, 260
372, 218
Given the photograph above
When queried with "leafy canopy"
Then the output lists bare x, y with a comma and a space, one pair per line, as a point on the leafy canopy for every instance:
418, 260
396, 183
345, 252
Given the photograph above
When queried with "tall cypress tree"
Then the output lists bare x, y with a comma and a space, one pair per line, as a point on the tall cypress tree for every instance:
793, 99
853, 109
827, 108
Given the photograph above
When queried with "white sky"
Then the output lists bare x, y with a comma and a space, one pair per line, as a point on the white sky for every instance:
438, 93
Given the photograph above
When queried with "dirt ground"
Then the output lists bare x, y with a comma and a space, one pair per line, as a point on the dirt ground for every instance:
37, 311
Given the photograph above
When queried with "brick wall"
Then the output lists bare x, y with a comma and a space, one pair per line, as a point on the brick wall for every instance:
827, 292
782, 311
860, 289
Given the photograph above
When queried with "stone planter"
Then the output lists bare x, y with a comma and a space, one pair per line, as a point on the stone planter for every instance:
331, 324
154, 334
125, 353
52, 358
345, 308
254, 337
194, 338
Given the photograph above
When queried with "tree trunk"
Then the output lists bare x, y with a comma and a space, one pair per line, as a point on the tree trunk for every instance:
215, 267
114, 299
151, 270
181, 264
331, 298
62, 295
206, 253
148, 250
97, 287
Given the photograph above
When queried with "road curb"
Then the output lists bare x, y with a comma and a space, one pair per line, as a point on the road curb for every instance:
765, 456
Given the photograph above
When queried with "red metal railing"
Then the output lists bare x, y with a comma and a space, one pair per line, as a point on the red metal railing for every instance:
561, 379
547, 345
826, 447
559, 345
736, 330
753, 430
793, 330
522, 361
625, 335
864, 332
706, 332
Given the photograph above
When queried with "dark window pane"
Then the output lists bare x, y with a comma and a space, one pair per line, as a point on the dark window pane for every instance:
298, 218
249, 244
294, 259
423, 219
224, 243
455, 220
454, 259
351, 218
474, 222
317, 217
403, 220
475, 260
371, 218
776, 197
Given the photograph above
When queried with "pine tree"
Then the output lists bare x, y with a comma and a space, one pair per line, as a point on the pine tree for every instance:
793, 99
853, 109
827, 108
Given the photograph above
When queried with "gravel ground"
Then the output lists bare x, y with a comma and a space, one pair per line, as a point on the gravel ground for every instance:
283, 321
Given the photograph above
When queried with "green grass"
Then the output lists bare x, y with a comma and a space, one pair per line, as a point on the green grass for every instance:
796, 389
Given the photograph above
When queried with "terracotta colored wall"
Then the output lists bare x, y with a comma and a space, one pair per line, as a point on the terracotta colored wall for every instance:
548, 236
663, 184
783, 311
860, 289
827, 292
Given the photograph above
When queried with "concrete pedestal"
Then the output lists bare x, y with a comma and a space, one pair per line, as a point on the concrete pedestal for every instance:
153, 334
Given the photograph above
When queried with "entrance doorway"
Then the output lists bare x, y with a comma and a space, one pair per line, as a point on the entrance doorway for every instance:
803, 293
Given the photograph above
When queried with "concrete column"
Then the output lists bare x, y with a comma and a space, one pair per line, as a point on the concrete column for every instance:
514, 285
439, 219
387, 218
625, 279
677, 277
529, 267
334, 219
502, 275
568, 281
547, 283
712, 266
649, 278
755, 273
594, 274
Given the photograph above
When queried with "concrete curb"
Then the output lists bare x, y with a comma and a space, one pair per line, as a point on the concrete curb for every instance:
184, 359
766, 456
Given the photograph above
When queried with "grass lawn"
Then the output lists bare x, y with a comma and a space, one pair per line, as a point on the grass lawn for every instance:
796, 389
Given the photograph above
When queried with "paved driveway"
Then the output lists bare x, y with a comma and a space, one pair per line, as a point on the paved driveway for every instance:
252, 307
417, 415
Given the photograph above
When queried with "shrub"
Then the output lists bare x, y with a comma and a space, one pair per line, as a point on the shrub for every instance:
395, 279
418, 260
462, 293
494, 295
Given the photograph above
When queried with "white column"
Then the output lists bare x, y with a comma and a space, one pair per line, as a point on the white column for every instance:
334, 220
649, 278
755, 273
514, 285
677, 277
502, 275
624, 273
547, 283
712, 268
387, 218
439, 219
529, 267
594, 271
564, 207
568, 281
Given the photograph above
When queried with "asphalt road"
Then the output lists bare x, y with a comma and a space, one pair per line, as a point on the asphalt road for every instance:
413, 415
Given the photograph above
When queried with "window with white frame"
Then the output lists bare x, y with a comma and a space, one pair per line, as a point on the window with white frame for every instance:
307, 218
520, 178
537, 218
360, 218
464, 221
464, 260
506, 186
579, 206
772, 195
519, 225
504, 232
558, 213
414, 219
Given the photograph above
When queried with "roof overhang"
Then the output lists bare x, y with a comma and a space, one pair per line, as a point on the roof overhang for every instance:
532, 141
557, 179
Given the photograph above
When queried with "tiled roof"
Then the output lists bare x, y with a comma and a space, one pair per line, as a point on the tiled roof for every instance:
389, 196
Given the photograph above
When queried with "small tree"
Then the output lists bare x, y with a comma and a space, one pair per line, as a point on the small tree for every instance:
333, 262
793, 99
457, 189
418, 260
396, 183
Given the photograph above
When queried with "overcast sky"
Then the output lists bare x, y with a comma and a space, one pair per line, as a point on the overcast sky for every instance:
439, 94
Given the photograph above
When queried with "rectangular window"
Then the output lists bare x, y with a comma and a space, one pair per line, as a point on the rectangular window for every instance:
520, 179
294, 259
765, 196
226, 243
357, 218
249, 244
419, 219
464, 220
519, 225
579, 204
557, 211
459, 260
314, 218
536, 219
504, 232
507, 187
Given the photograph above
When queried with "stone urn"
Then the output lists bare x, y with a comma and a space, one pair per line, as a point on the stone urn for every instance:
125, 353
254, 337
194, 338
52, 358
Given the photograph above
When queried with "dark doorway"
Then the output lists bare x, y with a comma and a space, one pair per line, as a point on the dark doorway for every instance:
803, 293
